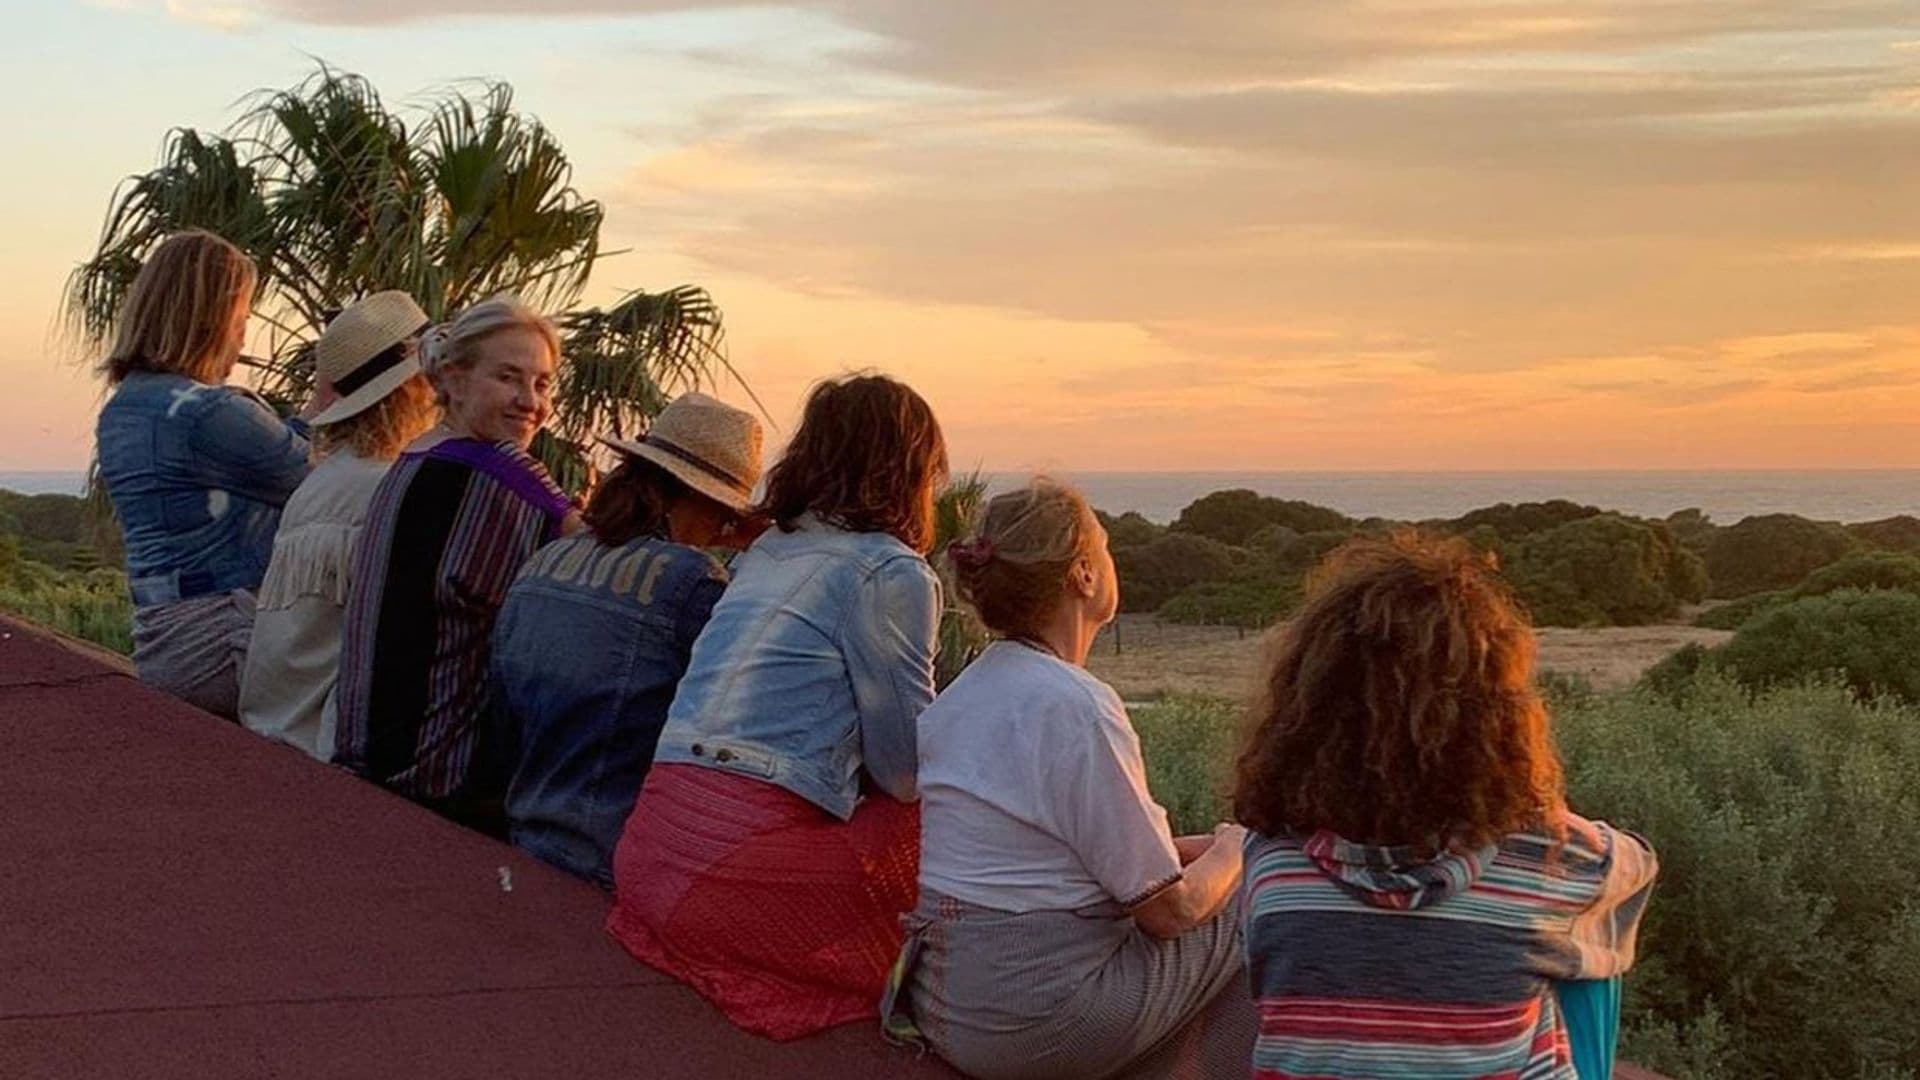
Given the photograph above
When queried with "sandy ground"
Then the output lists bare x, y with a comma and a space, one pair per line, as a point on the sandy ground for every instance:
1143, 658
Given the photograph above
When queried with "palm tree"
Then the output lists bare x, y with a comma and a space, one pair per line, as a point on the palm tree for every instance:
335, 196
961, 636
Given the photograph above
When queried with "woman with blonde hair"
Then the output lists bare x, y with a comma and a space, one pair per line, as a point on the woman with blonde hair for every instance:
369, 358
1062, 929
197, 470
1416, 883
449, 526
771, 850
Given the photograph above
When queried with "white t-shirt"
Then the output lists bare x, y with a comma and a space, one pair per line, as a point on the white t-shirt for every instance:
1033, 795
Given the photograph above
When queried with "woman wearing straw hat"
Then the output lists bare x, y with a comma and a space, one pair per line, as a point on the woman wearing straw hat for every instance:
458, 514
597, 630
197, 470
369, 356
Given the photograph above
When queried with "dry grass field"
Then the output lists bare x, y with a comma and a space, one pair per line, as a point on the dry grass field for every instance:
1144, 658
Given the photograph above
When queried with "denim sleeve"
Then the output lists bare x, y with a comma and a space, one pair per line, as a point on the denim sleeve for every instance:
246, 449
889, 642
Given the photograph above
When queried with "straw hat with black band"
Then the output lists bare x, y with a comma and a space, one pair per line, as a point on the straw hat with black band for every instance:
367, 351
704, 443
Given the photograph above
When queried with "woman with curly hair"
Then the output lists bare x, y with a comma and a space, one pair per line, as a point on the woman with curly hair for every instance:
368, 357
774, 844
1063, 930
1416, 885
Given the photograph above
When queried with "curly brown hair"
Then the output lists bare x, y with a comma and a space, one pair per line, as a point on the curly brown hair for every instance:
867, 458
384, 429
1399, 707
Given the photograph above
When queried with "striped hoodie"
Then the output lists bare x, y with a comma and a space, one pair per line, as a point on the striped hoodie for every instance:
1372, 962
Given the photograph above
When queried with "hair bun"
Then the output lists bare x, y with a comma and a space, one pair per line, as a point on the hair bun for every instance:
971, 554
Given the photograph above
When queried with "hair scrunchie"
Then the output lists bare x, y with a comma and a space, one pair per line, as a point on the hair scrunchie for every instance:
434, 351
971, 554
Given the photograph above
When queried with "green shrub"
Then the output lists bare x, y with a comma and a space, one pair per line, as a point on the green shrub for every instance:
1247, 603
1889, 534
1734, 613
1603, 570
1129, 529
1510, 521
1188, 743
1771, 551
93, 605
1863, 570
1154, 573
1233, 517
1692, 528
1869, 640
1781, 938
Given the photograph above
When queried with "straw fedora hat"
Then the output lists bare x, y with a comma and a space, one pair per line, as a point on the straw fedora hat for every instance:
366, 352
704, 443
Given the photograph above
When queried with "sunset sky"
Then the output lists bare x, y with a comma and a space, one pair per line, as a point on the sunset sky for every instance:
1134, 234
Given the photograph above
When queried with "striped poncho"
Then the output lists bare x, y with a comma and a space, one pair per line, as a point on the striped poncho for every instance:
1372, 962
448, 529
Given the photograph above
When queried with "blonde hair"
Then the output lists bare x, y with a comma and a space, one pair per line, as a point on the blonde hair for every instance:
1013, 571
449, 346
175, 318
385, 428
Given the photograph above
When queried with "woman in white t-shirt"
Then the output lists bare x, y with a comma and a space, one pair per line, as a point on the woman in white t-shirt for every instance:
1062, 929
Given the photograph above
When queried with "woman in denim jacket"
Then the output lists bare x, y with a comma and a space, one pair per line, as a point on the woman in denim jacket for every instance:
599, 626
197, 470
775, 843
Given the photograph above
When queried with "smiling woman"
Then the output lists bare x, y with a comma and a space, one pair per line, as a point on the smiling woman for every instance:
448, 529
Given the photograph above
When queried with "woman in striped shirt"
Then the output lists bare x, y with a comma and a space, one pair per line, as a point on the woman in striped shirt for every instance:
448, 529
1415, 883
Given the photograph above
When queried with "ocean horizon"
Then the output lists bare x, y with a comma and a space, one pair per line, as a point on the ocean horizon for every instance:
1725, 495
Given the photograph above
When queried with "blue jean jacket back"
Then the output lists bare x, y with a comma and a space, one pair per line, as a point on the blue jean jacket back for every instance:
815, 667
587, 652
197, 475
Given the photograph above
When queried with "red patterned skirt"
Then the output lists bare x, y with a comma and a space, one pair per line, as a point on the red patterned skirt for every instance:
784, 917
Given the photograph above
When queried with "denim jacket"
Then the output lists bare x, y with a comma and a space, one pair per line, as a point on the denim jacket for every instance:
197, 475
587, 651
816, 665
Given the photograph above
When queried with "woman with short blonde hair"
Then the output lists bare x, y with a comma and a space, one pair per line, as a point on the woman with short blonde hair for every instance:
1062, 929
369, 360
449, 527
197, 470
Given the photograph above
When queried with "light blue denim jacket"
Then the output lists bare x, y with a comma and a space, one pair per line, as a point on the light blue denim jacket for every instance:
197, 475
815, 665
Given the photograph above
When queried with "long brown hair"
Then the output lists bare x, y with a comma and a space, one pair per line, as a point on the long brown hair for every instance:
867, 458
1399, 707
176, 316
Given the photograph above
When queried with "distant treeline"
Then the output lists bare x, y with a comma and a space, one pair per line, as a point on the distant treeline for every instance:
1240, 558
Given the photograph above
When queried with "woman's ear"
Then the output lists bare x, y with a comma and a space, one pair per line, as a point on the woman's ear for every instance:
1083, 578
